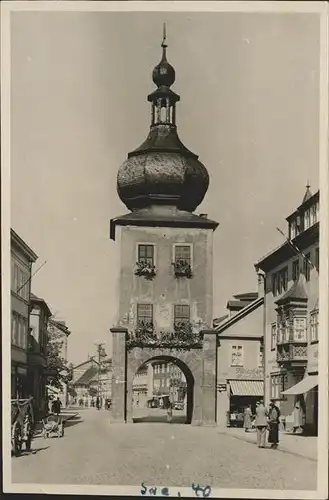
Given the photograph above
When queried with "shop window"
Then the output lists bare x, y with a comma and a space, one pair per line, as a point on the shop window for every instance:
146, 254
314, 326
307, 266
237, 355
273, 336
295, 270
278, 384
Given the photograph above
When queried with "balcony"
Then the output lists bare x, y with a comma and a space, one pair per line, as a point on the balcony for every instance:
292, 352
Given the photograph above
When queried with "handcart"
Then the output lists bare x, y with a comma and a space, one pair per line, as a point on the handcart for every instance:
22, 424
53, 425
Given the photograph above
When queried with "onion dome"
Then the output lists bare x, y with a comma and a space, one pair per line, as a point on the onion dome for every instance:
162, 171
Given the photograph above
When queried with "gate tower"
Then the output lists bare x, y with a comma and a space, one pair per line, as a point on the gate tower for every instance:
165, 295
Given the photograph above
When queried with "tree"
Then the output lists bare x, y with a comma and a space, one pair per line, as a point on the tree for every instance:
59, 370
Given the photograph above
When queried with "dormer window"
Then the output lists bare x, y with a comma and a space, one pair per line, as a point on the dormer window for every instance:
307, 218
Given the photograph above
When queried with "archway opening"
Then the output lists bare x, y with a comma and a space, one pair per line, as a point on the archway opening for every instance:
162, 392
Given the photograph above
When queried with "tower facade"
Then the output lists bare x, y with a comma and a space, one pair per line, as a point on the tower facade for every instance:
165, 295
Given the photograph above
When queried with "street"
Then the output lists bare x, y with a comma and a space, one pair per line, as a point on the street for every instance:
95, 452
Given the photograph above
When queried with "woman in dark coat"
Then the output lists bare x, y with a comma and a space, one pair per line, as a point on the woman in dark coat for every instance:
273, 420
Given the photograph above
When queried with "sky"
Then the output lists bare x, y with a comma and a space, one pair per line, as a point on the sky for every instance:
249, 87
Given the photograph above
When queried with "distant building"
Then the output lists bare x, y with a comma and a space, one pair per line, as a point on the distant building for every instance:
37, 350
240, 374
168, 380
91, 379
143, 386
22, 258
59, 333
292, 316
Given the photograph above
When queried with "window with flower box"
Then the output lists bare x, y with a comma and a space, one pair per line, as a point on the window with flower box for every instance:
182, 261
146, 254
181, 315
145, 316
236, 355
314, 326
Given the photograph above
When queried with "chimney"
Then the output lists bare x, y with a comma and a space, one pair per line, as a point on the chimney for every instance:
261, 283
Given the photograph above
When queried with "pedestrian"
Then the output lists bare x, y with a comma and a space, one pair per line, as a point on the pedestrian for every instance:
169, 412
261, 424
57, 406
247, 419
273, 420
98, 403
299, 416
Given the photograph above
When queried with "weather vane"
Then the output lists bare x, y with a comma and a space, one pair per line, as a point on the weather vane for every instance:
164, 36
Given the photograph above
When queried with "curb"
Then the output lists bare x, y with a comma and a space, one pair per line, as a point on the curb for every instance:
282, 449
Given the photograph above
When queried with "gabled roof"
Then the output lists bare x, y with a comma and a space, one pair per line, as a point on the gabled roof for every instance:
87, 376
38, 300
239, 315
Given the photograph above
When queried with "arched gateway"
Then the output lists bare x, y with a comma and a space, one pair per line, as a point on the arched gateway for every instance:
166, 272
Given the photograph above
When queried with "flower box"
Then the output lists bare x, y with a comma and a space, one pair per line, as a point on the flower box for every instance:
145, 269
182, 269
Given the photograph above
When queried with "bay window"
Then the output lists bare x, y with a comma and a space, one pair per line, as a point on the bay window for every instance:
299, 329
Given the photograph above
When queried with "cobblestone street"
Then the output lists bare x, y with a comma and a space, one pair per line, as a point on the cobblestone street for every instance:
95, 452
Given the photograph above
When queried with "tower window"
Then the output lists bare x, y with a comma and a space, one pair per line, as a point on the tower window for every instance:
307, 267
295, 270
181, 315
144, 314
183, 253
146, 254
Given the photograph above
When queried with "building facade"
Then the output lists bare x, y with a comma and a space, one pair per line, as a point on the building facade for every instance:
291, 317
22, 258
37, 351
165, 297
89, 380
143, 386
240, 368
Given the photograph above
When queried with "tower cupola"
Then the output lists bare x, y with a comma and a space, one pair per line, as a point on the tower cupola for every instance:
162, 171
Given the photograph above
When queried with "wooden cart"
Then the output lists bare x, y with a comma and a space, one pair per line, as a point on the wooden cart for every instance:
22, 424
53, 425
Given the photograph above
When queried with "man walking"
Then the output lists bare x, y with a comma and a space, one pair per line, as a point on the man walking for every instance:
261, 424
274, 419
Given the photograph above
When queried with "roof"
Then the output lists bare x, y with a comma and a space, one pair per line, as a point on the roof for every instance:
87, 376
61, 325
239, 315
308, 200
153, 218
17, 241
42, 302
296, 292
285, 251
250, 296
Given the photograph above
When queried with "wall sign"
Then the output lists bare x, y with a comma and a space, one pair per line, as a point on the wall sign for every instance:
222, 387
252, 374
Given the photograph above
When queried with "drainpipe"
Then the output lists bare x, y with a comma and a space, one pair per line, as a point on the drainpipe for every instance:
262, 293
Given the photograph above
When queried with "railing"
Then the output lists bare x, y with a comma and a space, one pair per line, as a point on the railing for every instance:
293, 351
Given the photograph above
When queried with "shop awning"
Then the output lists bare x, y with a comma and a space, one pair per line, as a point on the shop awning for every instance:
305, 385
247, 387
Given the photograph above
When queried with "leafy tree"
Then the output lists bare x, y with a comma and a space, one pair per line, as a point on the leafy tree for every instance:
59, 370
